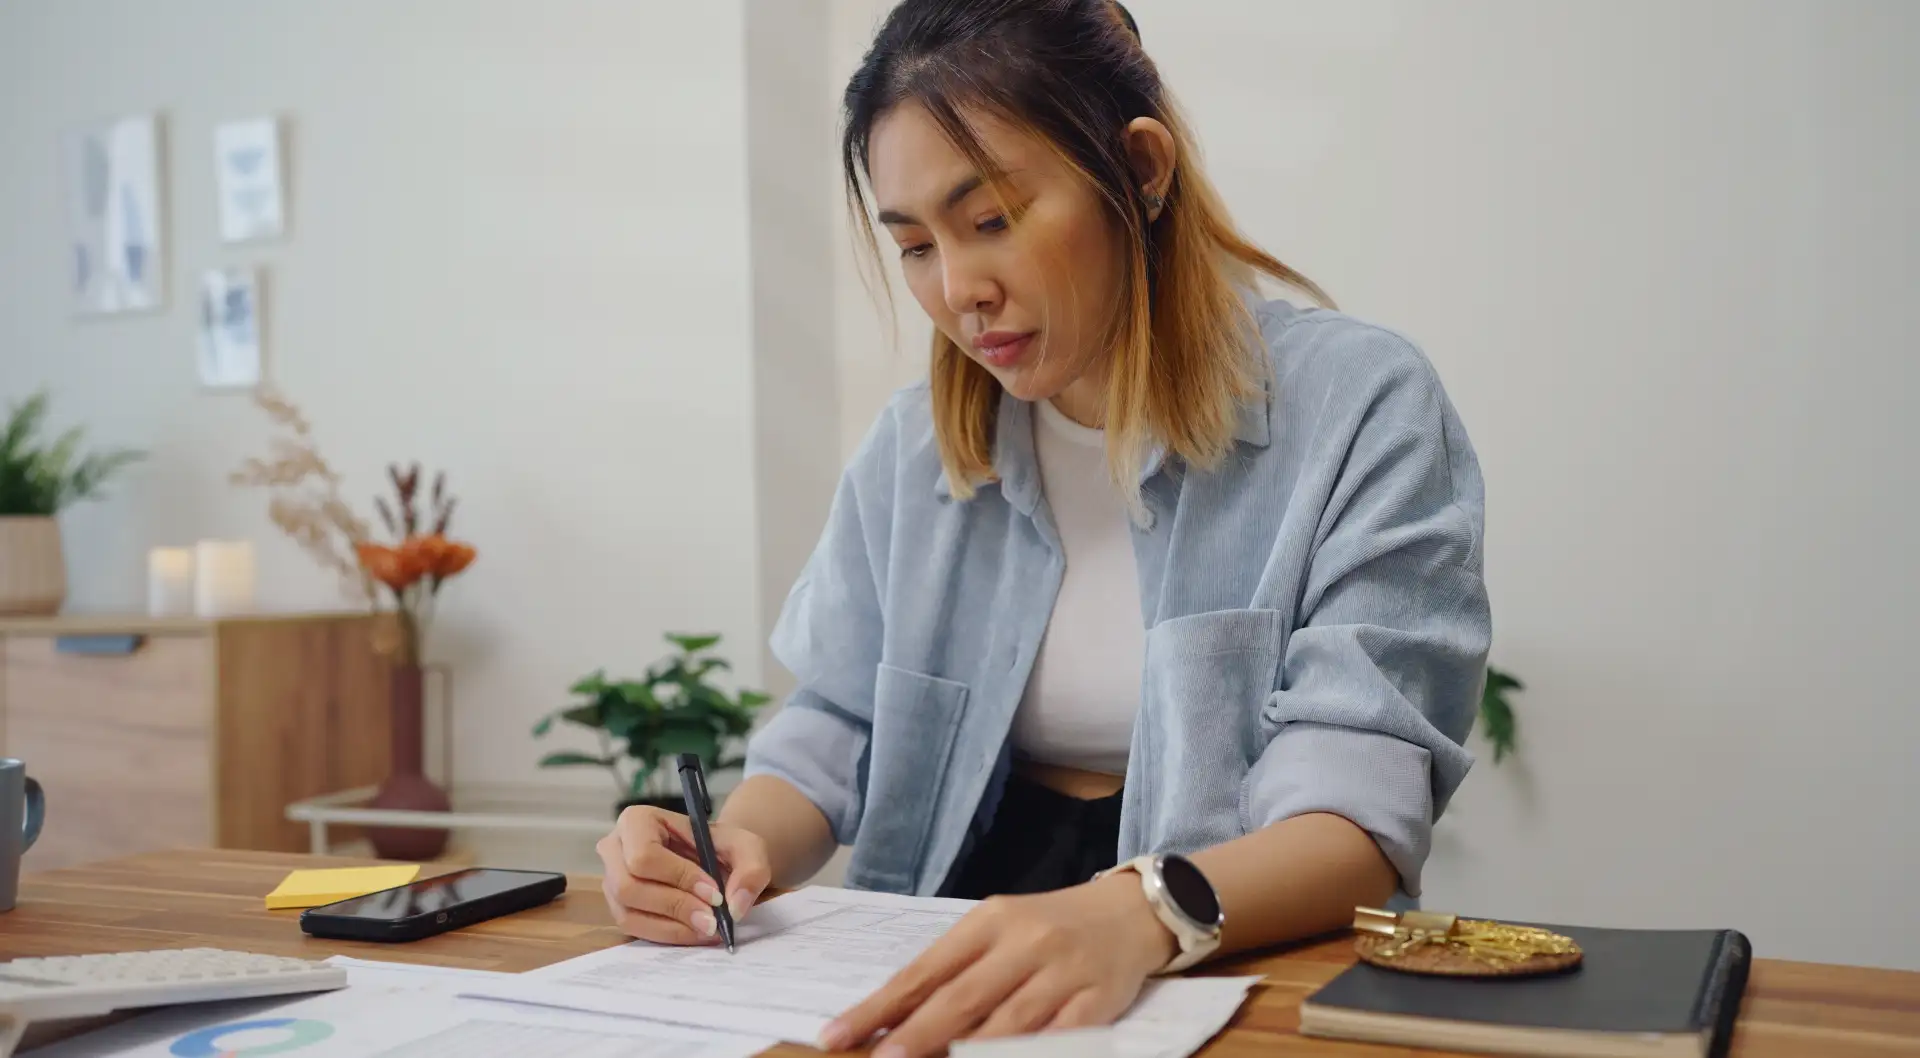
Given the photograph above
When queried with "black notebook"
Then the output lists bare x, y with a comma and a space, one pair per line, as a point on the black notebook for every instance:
1635, 992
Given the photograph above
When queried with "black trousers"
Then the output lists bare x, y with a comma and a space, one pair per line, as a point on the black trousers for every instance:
1039, 840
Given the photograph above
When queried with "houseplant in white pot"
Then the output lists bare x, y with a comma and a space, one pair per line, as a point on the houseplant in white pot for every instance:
39, 479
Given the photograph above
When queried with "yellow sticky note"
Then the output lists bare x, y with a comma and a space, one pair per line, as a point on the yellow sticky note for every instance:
313, 888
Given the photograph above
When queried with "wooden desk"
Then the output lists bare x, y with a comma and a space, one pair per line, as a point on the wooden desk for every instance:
213, 898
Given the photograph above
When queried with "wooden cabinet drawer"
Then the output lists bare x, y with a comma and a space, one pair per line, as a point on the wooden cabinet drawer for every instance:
122, 743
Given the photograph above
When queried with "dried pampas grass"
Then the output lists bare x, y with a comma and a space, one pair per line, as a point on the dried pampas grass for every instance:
306, 502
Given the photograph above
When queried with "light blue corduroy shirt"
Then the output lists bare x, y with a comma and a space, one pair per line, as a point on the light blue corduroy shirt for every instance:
1317, 623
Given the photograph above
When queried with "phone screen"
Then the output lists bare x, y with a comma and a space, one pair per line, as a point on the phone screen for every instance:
432, 894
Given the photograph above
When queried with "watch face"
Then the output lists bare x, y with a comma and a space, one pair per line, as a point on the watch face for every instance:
1189, 890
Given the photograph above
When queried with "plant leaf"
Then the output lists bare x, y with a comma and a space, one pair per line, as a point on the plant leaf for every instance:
545, 725
588, 715
54, 470
565, 758
623, 718
731, 718
702, 741
1497, 721
23, 423
40, 479
693, 644
640, 694
591, 684
85, 481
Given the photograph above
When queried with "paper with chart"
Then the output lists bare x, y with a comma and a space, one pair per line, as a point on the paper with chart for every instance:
805, 958
395, 1011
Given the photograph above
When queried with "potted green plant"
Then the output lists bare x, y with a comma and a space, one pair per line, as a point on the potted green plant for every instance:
642, 723
39, 479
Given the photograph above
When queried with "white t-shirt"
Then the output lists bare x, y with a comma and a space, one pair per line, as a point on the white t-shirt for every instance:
1081, 698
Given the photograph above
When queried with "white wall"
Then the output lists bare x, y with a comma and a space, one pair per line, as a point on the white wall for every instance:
1663, 257
519, 250
877, 352
796, 378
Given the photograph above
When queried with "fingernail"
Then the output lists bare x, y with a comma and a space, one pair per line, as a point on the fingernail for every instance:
739, 903
703, 923
890, 1050
833, 1037
707, 892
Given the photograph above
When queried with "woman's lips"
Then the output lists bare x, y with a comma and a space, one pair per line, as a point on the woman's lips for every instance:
1003, 348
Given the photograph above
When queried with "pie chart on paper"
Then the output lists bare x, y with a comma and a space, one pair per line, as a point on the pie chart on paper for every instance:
251, 1039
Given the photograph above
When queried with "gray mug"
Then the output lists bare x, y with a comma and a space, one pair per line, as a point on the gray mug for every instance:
22, 809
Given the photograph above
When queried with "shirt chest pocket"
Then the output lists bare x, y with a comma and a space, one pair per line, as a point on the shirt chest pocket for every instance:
1207, 677
915, 721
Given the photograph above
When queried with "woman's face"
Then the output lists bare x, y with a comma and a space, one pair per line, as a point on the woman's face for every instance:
1029, 300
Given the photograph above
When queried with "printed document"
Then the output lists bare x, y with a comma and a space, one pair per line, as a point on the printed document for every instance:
391, 1010
802, 960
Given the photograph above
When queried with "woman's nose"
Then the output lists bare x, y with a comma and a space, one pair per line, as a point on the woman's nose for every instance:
968, 286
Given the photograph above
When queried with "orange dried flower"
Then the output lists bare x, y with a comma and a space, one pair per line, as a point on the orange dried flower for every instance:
458, 556
396, 567
438, 556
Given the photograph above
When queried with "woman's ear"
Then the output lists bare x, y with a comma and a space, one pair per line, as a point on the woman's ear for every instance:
1152, 154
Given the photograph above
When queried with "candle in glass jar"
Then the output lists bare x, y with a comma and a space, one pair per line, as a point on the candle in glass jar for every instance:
223, 577
170, 581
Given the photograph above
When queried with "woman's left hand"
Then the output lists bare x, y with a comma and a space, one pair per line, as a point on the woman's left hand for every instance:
1017, 964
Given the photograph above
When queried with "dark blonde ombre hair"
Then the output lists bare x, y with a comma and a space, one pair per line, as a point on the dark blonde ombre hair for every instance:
1073, 74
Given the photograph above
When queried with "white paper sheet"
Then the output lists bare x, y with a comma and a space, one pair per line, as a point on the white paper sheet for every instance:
391, 1010
801, 960
805, 958
1173, 1018
407, 976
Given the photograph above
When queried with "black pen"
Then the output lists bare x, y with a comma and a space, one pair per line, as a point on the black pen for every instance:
693, 785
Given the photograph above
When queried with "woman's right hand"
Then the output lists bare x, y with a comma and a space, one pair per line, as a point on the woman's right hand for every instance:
655, 887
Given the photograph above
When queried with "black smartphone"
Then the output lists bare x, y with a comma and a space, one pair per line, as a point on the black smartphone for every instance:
433, 905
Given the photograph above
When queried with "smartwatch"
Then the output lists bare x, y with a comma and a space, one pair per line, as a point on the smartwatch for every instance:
1184, 902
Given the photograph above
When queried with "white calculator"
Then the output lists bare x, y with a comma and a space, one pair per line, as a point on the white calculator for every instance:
75, 986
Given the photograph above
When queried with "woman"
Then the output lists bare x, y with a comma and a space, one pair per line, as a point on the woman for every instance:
1149, 565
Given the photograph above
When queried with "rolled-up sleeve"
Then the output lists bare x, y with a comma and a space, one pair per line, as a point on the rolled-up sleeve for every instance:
1381, 678
829, 637
817, 748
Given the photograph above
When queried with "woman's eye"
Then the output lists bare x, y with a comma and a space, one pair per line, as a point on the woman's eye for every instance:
917, 250
993, 224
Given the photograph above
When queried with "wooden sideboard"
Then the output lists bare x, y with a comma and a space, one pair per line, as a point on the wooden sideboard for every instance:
156, 733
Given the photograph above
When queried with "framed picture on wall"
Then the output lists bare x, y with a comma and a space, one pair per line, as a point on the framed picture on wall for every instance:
247, 170
116, 246
230, 328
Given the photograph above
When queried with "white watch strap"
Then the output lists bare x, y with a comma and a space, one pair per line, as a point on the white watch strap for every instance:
1194, 943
